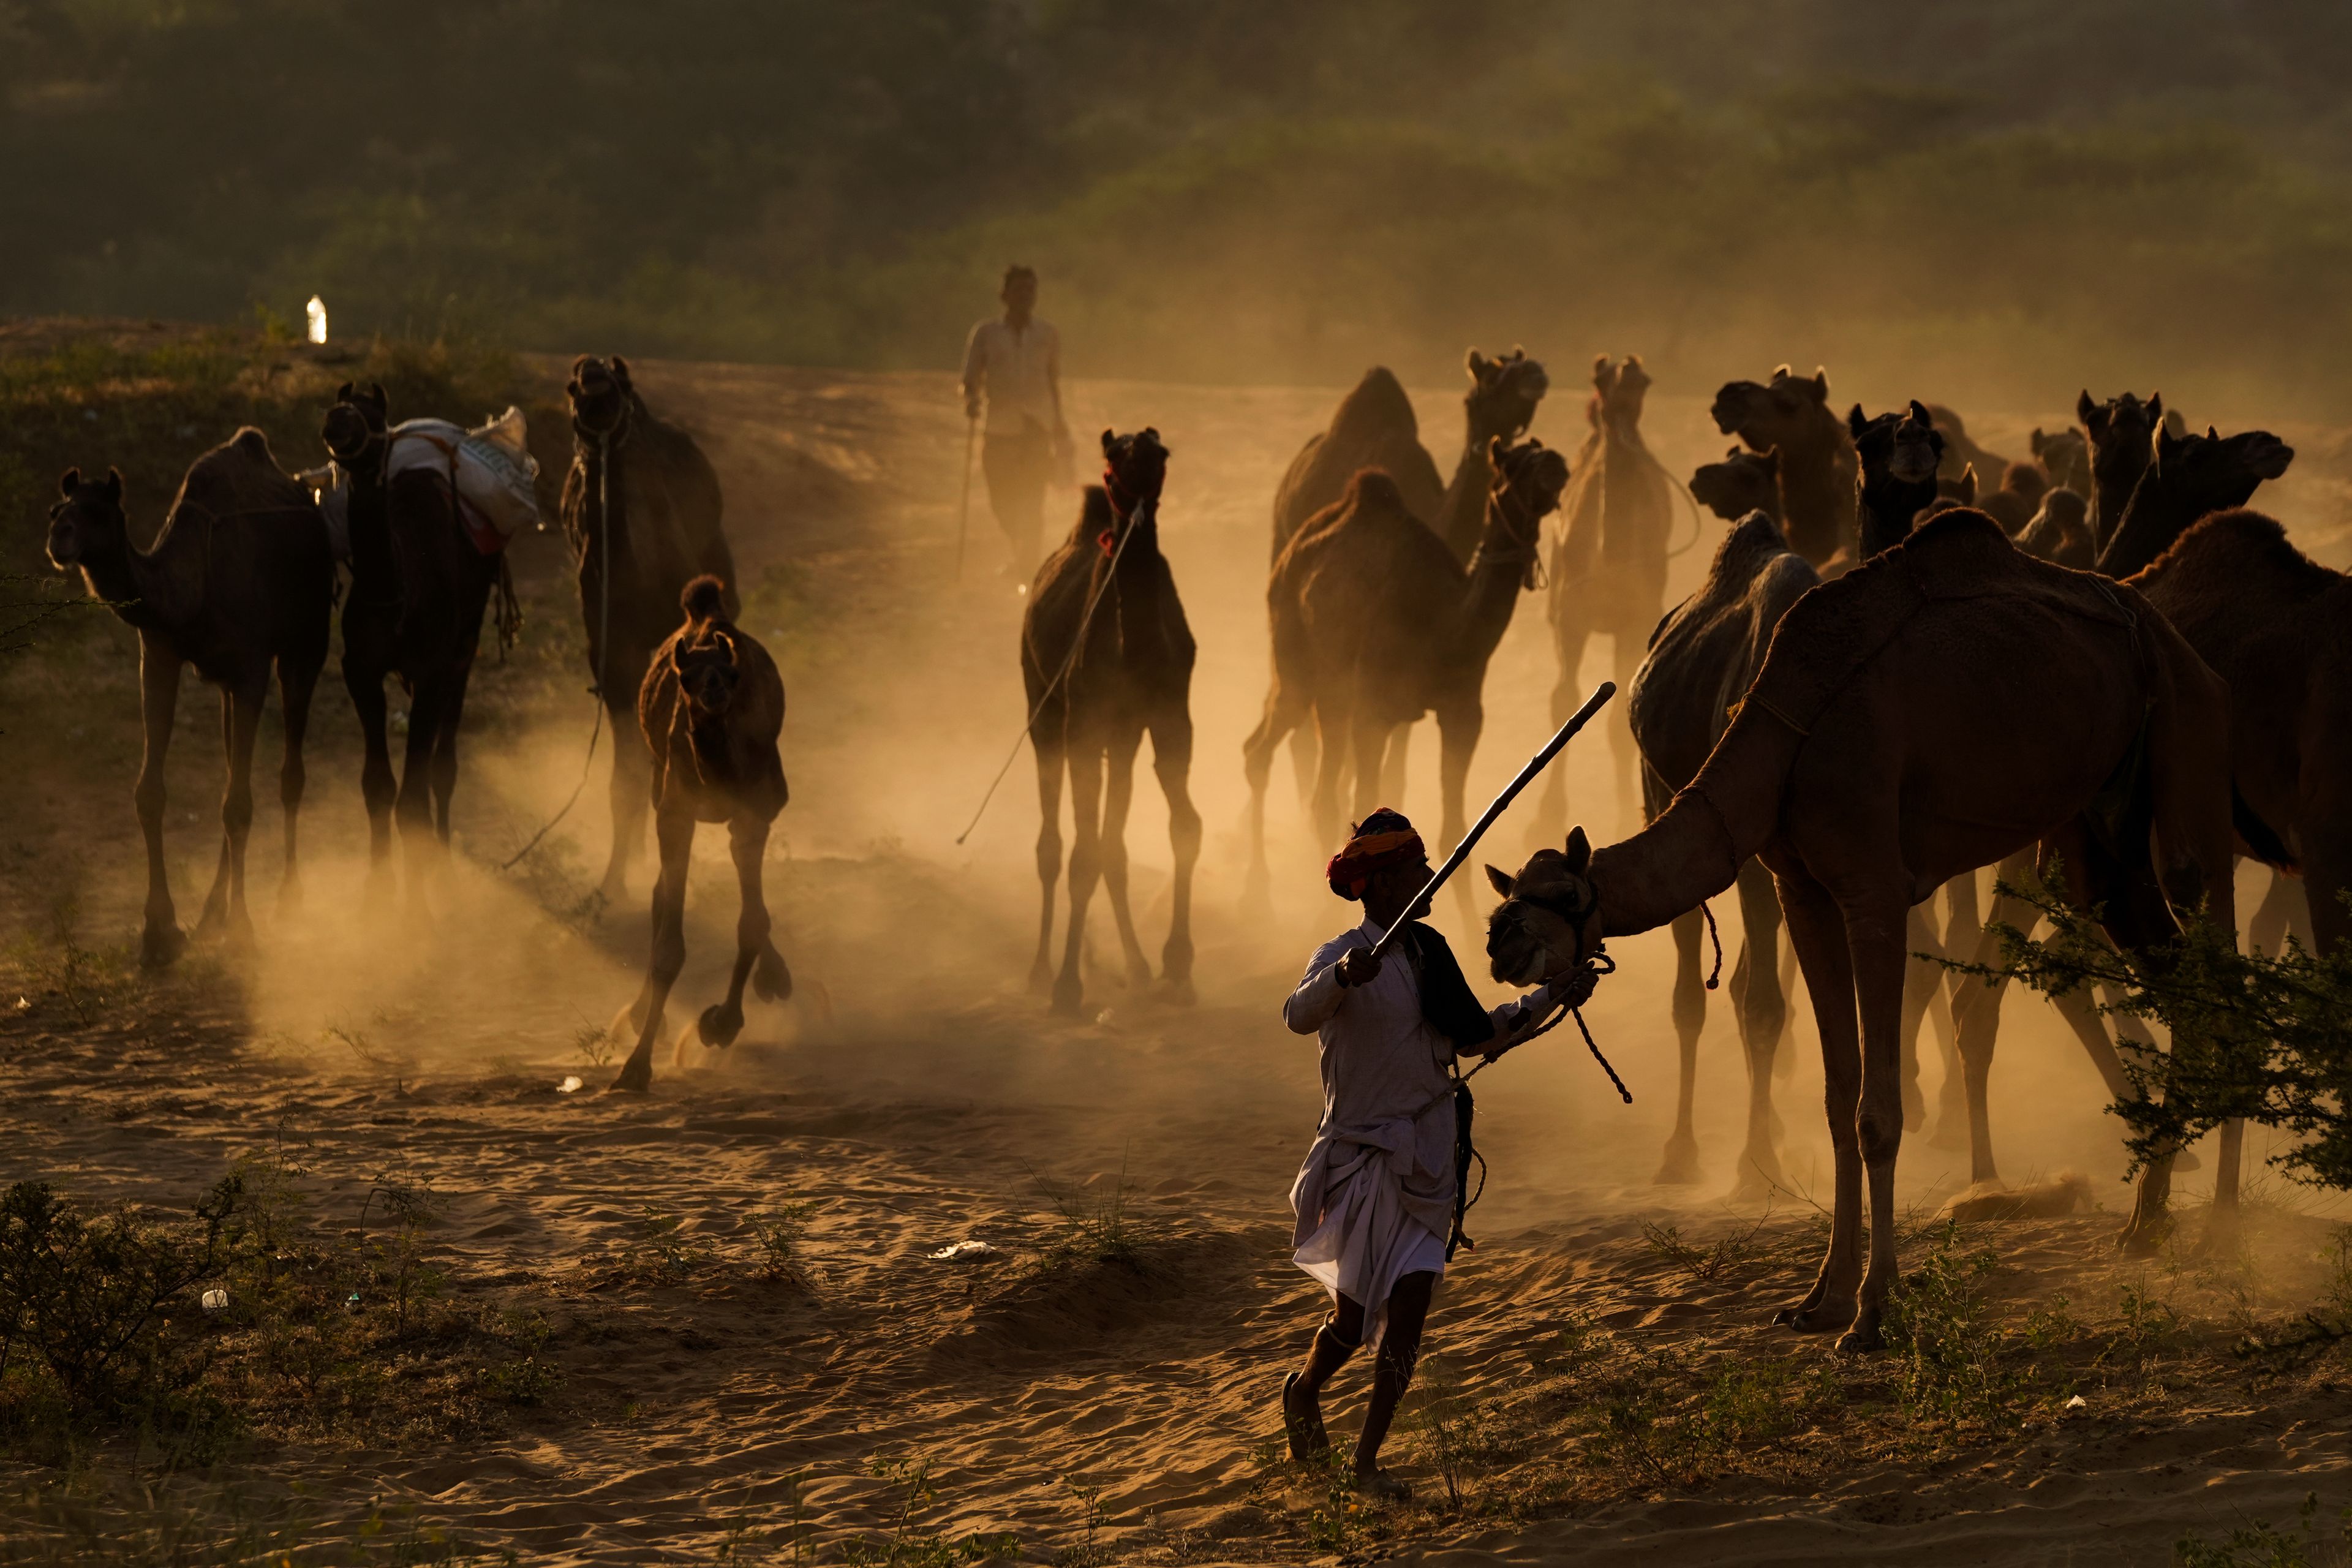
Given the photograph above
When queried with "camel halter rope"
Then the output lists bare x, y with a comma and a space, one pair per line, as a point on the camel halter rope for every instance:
1136, 520
1527, 554
604, 634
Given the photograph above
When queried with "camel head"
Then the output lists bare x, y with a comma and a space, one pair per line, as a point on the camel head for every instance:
601, 395
703, 656
1525, 490
1134, 468
356, 423
1743, 482
1903, 446
86, 524
2064, 458
2066, 511
2122, 421
1618, 391
1504, 394
2025, 480
2218, 471
1550, 919
1788, 409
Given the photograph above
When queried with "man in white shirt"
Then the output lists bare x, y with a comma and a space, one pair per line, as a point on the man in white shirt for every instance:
1012, 365
1377, 1198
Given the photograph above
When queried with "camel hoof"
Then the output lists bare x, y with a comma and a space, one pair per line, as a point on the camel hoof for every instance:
1914, 1107
720, 1024
1949, 1133
1139, 977
1813, 1317
1067, 999
2144, 1237
289, 898
1754, 1186
1863, 1339
160, 946
1041, 980
1178, 992
1680, 1166
636, 1078
770, 978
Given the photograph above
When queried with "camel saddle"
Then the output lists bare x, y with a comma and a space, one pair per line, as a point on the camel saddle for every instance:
1956, 555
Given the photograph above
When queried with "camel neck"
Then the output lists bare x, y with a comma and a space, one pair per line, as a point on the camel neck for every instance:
2113, 485
2159, 512
1884, 509
1498, 572
1812, 503
115, 574
1696, 847
1462, 517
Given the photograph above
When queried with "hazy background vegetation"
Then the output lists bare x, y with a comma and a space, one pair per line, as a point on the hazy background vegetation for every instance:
2001, 197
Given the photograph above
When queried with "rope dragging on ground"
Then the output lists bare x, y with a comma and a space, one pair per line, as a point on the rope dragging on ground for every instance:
604, 645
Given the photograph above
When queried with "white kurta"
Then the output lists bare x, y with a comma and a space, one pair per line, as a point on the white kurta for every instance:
1017, 369
1374, 1197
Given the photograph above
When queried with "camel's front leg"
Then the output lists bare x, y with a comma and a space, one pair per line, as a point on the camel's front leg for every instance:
378, 788
1172, 760
1283, 716
1681, 1162
1762, 1009
160, 940
633, 773
1458, 729
1962, 925
1046, 740
1817, 931
2285, 910
225, 906
420, 848
295, 682
1922, 979
1335, 728
1976, 1013
1086, 865
747, 840
443, 774
673, 834
1876, 939
1118, 798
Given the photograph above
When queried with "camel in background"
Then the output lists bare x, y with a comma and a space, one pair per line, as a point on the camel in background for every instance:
239, 579
2047, 691
641, 509
419, 588
708, 712
1375, 624
1742, 483
1790, 415
1105, 655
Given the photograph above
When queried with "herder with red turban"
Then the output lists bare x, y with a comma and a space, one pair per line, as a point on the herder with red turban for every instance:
1377, 1198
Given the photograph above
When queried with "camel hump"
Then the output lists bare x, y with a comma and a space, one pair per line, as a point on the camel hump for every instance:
2221, 550
705, 599
1376, 406
250, 443
1375, 489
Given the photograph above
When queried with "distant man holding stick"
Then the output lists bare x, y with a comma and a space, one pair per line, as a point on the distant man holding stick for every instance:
1012, 366
1376, 1200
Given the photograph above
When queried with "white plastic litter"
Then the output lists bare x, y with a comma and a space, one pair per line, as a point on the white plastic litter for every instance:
215, 1300
2078, 1403
571, 1085
964, 1252
316, 313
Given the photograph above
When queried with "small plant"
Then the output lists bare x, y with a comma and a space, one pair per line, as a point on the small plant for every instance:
2260, 1545
595, 1044
662, 1252
529, 1378
909, 1546
1704, 1264
1440, 1419
1943, 1332
1097, 1228
411, 1207
77, 972
778, 1236
1089, 1552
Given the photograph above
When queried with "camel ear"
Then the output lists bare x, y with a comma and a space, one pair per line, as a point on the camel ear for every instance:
1819, 386
2211, 434
621, 371
1969, 485
1477, 364
375, 390
114, 484
1580, 850
580, 363
1783, 373
2035, 441
343, 393
2085, 407
1502, 882
2156, 406
67, 481
1109, 441
1854, 423
1494, 450
1919, 412
1770, 458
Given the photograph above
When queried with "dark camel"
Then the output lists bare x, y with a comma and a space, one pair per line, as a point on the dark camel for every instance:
708, 712
1743, 482
2018, 499
2272, 701
1375, 624
1106, 655
2060, 530
1961, 452
2065, 459
1609, 569
1791, 414
419, 590
1701, 661
239, 578
2120, 434
2047, 692
640, 498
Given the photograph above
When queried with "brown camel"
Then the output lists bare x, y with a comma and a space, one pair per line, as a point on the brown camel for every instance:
419, 587
2061, 530
1743, 482
1791, 412
239, 578
2065, 459
1701, 662
1105, 655
1608, 568
2018, 499
641, 509
2119, 435
709, 712
2272, 705
1376, 623
1374, 427
2052, 696
1961, 452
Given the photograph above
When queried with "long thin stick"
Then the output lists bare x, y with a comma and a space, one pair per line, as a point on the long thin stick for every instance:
1536, 763
963, 511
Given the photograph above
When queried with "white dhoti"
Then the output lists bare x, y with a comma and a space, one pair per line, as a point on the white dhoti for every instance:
1370, 1203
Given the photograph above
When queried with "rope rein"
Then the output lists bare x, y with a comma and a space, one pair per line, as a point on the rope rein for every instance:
1078, 644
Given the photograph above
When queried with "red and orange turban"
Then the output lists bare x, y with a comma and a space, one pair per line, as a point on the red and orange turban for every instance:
1382, 840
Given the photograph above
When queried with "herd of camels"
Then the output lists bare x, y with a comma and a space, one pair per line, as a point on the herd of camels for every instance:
1895, 673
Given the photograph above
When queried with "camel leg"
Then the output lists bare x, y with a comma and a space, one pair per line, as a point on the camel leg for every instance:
444, 775
160, 938
1172, 760
1922, 979
1458, 729
2285, 910
1817, 930
241, 724
1762, 1009
1337, 734
1119, 767
633, 775
1549, 826
1306, 761
1282, 717
412, 808
295, 682
1394, 759
1046, 743
1086, 865
1962, 926
1976, 1011
1877, 942
674, 834
1681, 1162
377, 786
747, 840
214, 909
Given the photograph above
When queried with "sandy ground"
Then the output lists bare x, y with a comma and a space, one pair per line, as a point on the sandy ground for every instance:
917, 1097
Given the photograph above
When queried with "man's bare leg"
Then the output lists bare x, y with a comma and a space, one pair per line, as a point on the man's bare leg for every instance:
1336, 1339
1392, 1376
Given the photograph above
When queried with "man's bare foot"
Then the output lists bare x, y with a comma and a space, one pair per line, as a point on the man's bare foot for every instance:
1302, 1420
1377, 1483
